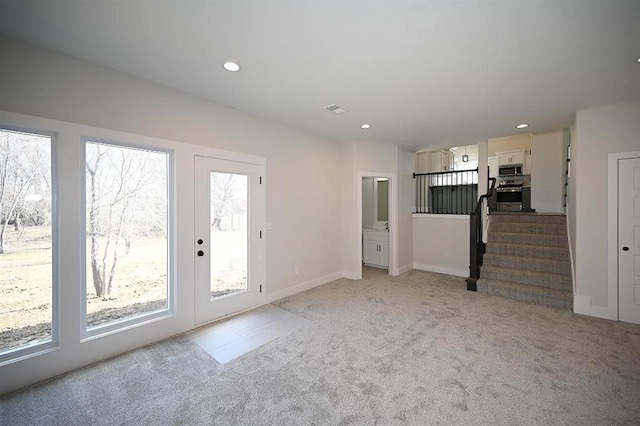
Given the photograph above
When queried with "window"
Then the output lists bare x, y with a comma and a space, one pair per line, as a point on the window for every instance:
127, 235
229, 233
27, 217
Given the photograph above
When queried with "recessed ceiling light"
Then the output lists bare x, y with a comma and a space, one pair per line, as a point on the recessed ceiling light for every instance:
231, 66
522, 126
366, 126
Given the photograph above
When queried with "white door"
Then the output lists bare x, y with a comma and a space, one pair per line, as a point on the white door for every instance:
229, 237
629, 240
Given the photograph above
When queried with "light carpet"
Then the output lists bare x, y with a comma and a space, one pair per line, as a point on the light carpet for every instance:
416, 349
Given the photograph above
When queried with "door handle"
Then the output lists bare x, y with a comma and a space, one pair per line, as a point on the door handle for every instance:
200, 253
625, 248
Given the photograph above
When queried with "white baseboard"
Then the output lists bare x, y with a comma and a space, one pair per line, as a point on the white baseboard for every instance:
599, 312
405, 268
349, 275
442, 270
582, 305
307, 285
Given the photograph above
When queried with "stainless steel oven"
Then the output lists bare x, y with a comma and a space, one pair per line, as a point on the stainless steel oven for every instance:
509, 199
513, 193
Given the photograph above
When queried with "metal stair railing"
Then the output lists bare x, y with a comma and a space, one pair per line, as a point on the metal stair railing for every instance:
477, 225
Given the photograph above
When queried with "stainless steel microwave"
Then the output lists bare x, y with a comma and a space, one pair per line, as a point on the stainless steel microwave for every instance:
510, 170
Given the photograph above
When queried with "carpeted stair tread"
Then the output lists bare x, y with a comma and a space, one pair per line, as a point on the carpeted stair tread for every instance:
527, 263
528, 228
527, 258
539, 252
558, 219
527, 293
539, 279
529, 239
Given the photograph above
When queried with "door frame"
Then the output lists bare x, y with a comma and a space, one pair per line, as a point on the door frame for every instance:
612, 231
260, 225
393, 222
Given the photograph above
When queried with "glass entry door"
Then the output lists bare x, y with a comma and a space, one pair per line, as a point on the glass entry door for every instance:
229, 241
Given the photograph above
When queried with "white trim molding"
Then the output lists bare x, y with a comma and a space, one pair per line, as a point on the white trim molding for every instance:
393, 222
307, 285
612, 232
442, 270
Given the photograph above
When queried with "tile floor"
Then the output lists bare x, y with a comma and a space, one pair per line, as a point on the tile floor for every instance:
228, 339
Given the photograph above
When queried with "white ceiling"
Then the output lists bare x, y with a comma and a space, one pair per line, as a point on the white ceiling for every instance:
423, 73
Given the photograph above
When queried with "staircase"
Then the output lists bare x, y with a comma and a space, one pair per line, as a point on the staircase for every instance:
527, 258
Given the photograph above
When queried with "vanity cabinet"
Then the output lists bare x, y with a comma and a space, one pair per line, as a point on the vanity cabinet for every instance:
375, 248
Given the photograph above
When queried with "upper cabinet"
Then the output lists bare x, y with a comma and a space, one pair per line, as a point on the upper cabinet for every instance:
510, 150
438, 161
511, 157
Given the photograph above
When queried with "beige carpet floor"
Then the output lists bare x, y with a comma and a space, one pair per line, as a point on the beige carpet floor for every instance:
416, 349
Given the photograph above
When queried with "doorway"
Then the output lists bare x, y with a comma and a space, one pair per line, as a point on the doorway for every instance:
624, 237
376, 222
229, 242
629, 240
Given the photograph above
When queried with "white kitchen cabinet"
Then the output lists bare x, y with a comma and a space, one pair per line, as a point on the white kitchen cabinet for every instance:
510, 157
441, 161
375, 248
447, 160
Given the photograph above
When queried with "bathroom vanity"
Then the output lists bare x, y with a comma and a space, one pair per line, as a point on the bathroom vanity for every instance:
375, 247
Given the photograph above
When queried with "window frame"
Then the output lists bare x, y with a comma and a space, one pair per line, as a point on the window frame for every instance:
30, 350
90, 333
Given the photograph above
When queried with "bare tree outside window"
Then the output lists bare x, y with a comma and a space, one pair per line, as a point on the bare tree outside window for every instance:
126, 227
229, 238
26, 256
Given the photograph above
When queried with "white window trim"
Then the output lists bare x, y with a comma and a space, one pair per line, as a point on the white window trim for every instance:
72, 351
90, 333
31, 350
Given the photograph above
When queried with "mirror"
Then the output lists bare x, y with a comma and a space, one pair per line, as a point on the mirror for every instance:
375, 202
382, 192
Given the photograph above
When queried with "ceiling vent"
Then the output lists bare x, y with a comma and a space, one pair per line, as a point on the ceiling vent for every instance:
335, 109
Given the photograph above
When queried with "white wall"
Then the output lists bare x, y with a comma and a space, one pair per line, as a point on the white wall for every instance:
372, 159
367, 202
597, 133
405, 207
547, 172
359, 157
509, 143
441, 243
422, 162
303, 176
302, 169
483, 168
